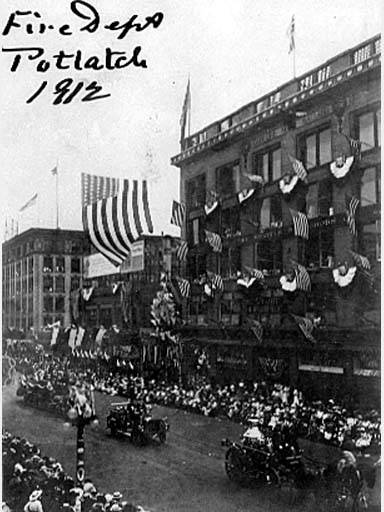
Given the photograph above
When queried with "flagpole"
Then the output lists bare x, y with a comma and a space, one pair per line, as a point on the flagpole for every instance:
294, 61
189, 112
57, 194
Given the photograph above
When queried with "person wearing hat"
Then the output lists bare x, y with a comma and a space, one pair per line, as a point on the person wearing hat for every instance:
34, 503
116, 496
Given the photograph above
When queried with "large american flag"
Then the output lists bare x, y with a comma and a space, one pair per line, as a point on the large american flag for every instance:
214, 241
116, 212
303, 281
352, 204
298, 168
300, 224
182, 250
178, 214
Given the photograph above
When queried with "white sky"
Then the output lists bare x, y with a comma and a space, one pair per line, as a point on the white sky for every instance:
234, 51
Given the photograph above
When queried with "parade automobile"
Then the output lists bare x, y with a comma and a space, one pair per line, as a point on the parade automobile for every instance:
43, 396
256, 458
135, 421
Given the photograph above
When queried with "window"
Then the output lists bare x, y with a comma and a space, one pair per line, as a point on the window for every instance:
195, 192
267, 164
48, 303
75, 265
368, 126
370, 241
315, 148
48, 284
324, 203
59, 304
226, 178
230, 222
269, 255
59, 284
320, 247
193, 230
370, 187
271, 212
197, 265
59, 264
230, 261
47, 264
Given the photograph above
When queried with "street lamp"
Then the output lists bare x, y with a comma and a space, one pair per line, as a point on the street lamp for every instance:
82, 412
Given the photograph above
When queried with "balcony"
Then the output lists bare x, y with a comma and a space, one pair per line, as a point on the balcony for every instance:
343, 67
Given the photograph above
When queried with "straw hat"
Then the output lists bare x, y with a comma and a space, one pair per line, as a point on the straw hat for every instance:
35, 495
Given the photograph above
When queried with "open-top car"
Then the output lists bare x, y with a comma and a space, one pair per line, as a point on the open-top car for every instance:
133, 419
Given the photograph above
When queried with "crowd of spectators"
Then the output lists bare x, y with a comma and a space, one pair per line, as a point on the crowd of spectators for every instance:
271, 404
36, 483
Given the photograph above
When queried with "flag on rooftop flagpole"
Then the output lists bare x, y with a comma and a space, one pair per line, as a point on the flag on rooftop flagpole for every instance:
186, 111
29, 203
178, 214
116, 212
291, 35
54, 171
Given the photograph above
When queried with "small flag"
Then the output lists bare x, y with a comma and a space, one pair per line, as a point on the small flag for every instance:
178, 214
303, 281
352, 205
300, 224
182, 251
298, 168
184, 287
54, 171
214, 241
361, 261
257, 330
291, 34
355, 146
245, 194
185, 110
306, 326
254, 272
115, 287
217, 283
29, 203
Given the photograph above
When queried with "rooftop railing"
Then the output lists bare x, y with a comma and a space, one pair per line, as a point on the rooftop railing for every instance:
315, 81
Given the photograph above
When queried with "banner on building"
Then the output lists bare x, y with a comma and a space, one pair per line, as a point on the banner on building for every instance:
96, 265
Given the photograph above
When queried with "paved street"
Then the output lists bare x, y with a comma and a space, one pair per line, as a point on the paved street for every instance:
185, 474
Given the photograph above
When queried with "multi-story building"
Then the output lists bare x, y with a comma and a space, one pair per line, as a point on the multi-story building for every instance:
124, 299
40, 269
327, 115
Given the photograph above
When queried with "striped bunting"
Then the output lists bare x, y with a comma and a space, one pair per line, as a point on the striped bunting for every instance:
303, 281
216, 281
214, 241
246, 281
300, 224
298, 168
352, 205
178, 214
182, 250
306, 326
114, 222
184, 287
245, 194
361, 261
